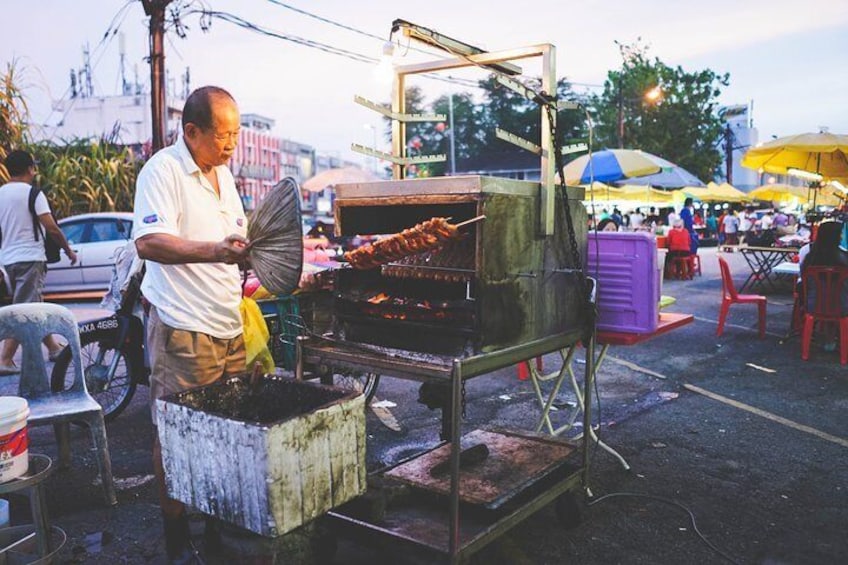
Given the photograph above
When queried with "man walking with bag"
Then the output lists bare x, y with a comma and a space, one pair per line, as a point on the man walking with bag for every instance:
21, 249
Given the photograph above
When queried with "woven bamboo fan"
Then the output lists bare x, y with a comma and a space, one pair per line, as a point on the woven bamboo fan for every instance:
276, 237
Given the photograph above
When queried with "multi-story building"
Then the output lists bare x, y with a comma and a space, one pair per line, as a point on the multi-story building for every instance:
256, 162
739, 136
125, 120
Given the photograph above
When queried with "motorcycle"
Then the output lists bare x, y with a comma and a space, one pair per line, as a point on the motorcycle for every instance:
112, 355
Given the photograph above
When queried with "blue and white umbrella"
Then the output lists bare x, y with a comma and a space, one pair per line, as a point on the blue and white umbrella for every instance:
611, 165
671, 176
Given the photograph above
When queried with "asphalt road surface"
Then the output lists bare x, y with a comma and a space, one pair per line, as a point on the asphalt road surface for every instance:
736, 430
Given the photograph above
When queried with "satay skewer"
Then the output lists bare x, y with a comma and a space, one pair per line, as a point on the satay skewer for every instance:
471, 221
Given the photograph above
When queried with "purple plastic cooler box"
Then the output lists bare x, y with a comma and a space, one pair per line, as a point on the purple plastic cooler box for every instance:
626, 268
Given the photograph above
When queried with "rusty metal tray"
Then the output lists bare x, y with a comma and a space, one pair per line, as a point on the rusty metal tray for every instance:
516, 461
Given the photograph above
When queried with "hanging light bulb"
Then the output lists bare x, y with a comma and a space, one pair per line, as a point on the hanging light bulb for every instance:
384, 72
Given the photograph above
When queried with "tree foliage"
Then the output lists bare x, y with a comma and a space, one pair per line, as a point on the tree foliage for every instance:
682, 126
79, 176
475, 123
13, 115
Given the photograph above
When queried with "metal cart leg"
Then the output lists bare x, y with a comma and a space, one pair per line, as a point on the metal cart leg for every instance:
588, 381
546, 404
537, 378
456, 450
582, 403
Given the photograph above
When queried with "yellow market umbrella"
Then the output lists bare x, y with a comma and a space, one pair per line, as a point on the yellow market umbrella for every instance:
725, 192
822, 153
599, 191
640, 193
697, 192
712, 193
780, 193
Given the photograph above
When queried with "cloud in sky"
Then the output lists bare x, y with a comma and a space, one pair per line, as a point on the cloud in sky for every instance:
788, 58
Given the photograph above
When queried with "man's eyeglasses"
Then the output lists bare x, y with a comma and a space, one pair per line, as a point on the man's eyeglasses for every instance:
233, 135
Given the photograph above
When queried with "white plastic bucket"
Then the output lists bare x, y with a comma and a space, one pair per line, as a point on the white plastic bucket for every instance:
14, 442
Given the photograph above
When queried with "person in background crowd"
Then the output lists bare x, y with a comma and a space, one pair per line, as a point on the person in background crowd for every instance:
21, 253
745, 224
671, 217
825, 251
783, 224
720, 225
731, 228
679, 242
711, 224
688, 218
616, 217
767, 221
190, 228
636, 219
607, 224
652, 219
686, 214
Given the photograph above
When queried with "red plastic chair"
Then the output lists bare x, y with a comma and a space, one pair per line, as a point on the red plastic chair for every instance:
823, 287
730, 296
695, 265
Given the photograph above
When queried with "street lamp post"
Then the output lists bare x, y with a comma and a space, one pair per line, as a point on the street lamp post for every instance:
651, 96
452, 136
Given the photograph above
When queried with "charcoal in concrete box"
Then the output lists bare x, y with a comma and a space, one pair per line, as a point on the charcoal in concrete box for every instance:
267, 457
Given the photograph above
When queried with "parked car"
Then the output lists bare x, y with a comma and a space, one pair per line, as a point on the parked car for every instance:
95, 238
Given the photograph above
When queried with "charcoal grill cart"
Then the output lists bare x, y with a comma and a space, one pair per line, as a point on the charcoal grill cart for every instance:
509, 288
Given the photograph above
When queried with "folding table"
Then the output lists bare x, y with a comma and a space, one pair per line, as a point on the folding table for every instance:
762, 261
667, 321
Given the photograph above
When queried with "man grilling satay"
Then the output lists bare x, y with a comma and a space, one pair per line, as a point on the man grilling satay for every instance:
190, 228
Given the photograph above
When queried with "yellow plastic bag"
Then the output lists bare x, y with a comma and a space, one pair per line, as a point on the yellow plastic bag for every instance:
255, 336
261, 293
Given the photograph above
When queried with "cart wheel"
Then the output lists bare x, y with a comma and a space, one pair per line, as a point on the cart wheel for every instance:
568, 510
365, 383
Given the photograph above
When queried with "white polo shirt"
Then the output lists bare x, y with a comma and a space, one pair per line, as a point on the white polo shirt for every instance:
173, 197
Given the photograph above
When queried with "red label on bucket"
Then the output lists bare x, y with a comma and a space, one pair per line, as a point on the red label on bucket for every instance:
14, 444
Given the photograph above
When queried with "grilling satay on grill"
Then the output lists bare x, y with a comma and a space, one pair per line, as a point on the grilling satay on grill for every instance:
421, 237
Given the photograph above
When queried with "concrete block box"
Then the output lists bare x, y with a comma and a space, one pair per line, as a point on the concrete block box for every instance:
267, 457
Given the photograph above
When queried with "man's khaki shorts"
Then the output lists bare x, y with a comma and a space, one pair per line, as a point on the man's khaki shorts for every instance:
182, 360
27, 281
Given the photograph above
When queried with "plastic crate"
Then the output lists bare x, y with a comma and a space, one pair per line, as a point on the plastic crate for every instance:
285, 323
626, 267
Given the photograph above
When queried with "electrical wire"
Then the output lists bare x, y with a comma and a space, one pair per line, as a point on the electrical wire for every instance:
243, 23
339, 24
670, 502
326, 20
377, 37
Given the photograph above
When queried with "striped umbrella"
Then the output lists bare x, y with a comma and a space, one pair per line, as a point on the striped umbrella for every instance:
611, 165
